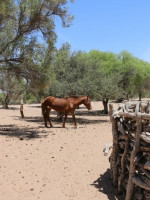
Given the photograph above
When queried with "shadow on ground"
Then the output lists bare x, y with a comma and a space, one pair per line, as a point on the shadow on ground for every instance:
90, 113
31, 132
104, 185
69, 120
21, 132
10, 108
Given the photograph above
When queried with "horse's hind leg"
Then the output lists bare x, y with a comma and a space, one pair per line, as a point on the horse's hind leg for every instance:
74, 119
48, 117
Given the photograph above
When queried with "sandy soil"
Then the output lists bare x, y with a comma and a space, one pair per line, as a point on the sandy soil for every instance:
54, 163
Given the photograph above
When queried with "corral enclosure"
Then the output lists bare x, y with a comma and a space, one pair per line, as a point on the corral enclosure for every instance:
56, 163
130, 157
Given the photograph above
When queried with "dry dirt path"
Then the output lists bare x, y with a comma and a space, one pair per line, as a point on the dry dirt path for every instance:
55, 163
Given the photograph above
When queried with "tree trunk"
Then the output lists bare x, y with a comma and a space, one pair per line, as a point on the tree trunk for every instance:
6, 102
21, 108
127, 96
140, 96
105, 104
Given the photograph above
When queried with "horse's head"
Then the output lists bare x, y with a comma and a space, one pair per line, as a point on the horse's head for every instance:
87, 103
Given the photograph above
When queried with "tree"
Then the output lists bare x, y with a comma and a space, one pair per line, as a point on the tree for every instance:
139, 81
21, 22
110, 88
11, 87
101, 75
72, 73
107, 77
80, 73
127, 68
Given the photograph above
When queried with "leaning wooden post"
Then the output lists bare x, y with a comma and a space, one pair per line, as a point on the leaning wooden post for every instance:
123, 158
130, 186
21, 109
114, 154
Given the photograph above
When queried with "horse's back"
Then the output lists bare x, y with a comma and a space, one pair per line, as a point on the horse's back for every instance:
58, 104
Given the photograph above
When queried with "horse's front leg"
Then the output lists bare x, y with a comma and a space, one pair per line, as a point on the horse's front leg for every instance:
48, 117
74, 119
66, 114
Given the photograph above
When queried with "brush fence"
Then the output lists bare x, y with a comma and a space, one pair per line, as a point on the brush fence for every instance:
130, 157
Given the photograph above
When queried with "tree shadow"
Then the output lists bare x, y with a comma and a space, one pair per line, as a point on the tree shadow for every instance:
69, 120
104, 185
33, 119
90, 113
83, 121
21, 132
34, 132
10, 108
33, 106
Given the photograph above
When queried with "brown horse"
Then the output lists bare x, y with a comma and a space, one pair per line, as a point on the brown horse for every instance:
66, 105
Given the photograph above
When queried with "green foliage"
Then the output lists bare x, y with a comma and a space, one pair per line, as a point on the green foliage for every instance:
106, 75
140, 81
1, 98
27, 20
30, 98
72, 73
80, 73
21, 51
101, 75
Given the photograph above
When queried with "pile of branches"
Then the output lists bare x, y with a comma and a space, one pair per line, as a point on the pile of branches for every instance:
130, 157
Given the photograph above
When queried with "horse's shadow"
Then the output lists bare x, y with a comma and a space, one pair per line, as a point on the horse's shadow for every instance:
104, 185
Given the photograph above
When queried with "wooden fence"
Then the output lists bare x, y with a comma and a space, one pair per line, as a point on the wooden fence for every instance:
130, 157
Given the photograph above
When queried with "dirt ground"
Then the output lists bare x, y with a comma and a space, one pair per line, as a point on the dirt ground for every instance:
55, 163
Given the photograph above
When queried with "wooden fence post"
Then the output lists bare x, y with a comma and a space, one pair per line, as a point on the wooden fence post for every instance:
113, 159
130, 186
21, 108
